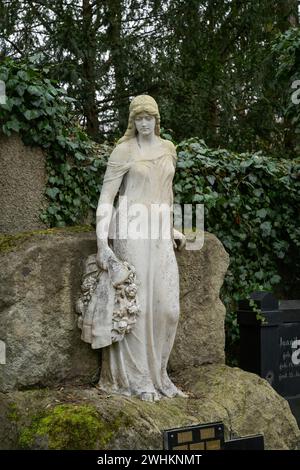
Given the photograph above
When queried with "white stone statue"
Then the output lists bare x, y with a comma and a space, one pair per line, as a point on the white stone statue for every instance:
133, 297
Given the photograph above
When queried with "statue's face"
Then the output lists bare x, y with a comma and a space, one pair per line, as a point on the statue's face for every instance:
144, 123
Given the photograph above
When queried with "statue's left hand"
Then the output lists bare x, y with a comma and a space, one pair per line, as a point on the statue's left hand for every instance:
179, 240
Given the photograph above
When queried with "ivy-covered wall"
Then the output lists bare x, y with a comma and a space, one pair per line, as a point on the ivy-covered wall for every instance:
251, 203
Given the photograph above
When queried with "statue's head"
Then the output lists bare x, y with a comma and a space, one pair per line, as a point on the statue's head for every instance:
141, 104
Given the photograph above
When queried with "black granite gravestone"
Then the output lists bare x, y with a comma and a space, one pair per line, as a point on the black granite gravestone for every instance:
270, 343
259, 352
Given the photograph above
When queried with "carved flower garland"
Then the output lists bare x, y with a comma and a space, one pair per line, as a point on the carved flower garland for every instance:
126, 308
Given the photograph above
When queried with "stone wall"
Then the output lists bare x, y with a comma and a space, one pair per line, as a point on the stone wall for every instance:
22, 185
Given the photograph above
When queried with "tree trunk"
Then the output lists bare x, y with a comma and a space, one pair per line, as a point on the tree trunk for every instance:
88, 71
113, 11
212, 107
288, 14
288, 17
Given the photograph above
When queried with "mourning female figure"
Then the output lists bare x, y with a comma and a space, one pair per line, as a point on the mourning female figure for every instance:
141, 169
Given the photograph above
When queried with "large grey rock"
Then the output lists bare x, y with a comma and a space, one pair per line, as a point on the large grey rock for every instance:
78, 418
200, 335
251, 404
22, 185
39, 283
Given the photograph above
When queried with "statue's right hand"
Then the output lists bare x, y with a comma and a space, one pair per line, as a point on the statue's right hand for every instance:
102, 257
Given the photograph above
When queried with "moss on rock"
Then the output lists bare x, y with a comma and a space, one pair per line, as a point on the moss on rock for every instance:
67, 427
13, 412
84, 418
11, 242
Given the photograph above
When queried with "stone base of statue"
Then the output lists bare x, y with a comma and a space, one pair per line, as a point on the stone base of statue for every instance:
245, 403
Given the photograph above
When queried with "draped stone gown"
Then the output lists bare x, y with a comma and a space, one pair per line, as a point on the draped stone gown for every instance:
138, 363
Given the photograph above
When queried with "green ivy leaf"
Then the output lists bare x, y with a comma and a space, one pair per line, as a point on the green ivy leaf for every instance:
261, 213
13, 125
211, 179
23, 75
52, 192
266, 227
35, 90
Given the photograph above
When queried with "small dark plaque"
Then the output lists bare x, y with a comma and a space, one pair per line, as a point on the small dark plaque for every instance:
200, 437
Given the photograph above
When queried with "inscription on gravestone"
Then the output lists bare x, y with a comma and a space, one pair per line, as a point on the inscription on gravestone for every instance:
289, 348
289, 364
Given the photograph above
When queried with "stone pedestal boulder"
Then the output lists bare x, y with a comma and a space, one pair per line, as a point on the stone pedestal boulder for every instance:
39, 283
200, 337
83, 418
40, 280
